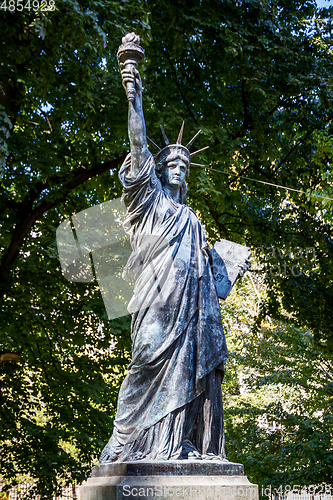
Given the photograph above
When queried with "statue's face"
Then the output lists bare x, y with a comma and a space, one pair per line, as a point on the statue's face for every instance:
173, 174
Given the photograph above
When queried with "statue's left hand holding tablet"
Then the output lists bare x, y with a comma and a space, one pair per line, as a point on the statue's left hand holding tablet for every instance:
244, 268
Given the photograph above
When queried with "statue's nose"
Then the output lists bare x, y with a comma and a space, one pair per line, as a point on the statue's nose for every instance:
179, 168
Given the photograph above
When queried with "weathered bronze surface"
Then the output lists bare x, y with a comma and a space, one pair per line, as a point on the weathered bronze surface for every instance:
170, 403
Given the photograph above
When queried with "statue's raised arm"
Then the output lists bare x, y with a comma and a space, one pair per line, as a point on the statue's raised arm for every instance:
129, 54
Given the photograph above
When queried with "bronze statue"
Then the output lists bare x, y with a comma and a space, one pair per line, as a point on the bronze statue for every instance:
170, 403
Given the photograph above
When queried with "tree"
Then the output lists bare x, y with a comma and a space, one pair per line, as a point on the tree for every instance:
256, 77
60, 88
278, 397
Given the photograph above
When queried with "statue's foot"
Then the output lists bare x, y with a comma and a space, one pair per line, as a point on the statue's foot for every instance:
189, 451
194, 455
108, 457
111, 451
216, 458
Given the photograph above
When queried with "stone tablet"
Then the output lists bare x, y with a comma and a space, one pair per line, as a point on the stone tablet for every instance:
227, 260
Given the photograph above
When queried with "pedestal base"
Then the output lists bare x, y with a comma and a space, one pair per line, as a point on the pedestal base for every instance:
170, 480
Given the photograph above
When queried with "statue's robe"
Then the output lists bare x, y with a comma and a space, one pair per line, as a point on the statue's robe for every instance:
170, 401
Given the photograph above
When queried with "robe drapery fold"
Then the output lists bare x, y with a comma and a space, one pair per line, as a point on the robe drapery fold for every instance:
177, 333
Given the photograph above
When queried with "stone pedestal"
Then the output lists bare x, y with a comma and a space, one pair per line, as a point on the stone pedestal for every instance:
170, 480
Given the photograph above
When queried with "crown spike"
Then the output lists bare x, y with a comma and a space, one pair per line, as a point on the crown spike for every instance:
199, 151
153, 143
165, 137
180, 136
193, 139
197, 164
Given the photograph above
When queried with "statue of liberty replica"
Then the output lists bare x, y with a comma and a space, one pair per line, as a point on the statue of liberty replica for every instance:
170, 403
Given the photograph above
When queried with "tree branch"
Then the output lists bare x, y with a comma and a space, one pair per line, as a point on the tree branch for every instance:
23, 228
298, 143
48, 122
180, 90
220, 225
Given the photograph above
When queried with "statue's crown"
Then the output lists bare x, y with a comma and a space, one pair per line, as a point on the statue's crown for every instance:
172, 151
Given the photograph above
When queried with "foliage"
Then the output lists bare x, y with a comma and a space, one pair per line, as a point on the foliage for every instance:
278, 397
256, 77
59, 400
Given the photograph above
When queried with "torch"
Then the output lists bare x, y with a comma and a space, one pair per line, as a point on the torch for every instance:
129, 55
